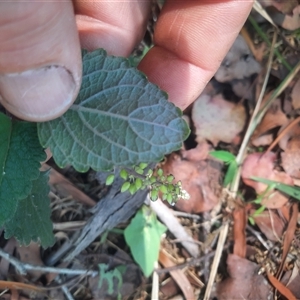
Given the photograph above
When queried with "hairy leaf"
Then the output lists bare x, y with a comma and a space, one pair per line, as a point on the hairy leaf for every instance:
118, 119
20, 156
31, 221
143, 237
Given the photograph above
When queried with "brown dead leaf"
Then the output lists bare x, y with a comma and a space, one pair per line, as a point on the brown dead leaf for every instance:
216, 119
201, 179
292, 132
178, 275
243, 282
31, 254
288, 238
291, 157
291, 279
292, 22
284, 6
274, 117
66, 187
262, 165
283, 290
295, 95
270, 224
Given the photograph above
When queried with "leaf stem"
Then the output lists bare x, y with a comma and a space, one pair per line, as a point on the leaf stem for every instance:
24, 267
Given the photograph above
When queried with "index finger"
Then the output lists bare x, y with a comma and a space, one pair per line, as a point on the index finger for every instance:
191, 38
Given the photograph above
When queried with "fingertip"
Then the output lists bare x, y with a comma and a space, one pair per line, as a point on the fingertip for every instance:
39, 95
40, 58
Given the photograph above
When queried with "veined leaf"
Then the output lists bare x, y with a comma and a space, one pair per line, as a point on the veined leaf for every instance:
143, 236
118, 119
20, 157
31, 221
222, 155
292, 191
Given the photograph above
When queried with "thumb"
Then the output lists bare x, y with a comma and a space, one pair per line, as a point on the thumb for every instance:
40, 58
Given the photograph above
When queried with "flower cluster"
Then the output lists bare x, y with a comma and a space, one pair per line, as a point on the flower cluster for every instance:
141, 177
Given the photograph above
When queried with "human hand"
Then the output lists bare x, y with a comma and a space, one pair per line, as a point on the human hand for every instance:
40, 57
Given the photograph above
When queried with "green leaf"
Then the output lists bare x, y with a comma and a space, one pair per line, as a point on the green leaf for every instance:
222, 155
251, 220
118, 119
143, 235
125, 186
124, 174
259, 211
20, 157
138, 183
31, 221
292, 191
110, 179
231, 172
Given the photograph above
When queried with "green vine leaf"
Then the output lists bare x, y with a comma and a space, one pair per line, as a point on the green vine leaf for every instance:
143, 236
31, 221
20, 157
118, 119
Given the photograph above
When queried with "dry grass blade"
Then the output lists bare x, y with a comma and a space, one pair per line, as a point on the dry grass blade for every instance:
177, 275
12, 285
254, 118
289, 236
215, 264
258, 7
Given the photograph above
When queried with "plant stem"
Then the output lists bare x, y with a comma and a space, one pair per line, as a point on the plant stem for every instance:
24, 267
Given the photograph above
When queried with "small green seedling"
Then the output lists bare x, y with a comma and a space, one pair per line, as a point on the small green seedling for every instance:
292, 191
230, 160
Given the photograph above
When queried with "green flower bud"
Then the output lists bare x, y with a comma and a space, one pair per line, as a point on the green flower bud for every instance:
110, 179
170, 178
125, 186
132, 189
139, 170
124, 174
170, 198
170, 187
163, 189
154, 195
160, 172
152, 179
143, 166
149, 172
138, 183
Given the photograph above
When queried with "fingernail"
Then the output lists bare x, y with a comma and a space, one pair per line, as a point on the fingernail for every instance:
40, 94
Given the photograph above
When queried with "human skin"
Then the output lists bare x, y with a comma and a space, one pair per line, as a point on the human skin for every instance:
40, 57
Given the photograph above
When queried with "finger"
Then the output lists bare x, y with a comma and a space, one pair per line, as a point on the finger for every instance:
191, 39
40, 58
116, 26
